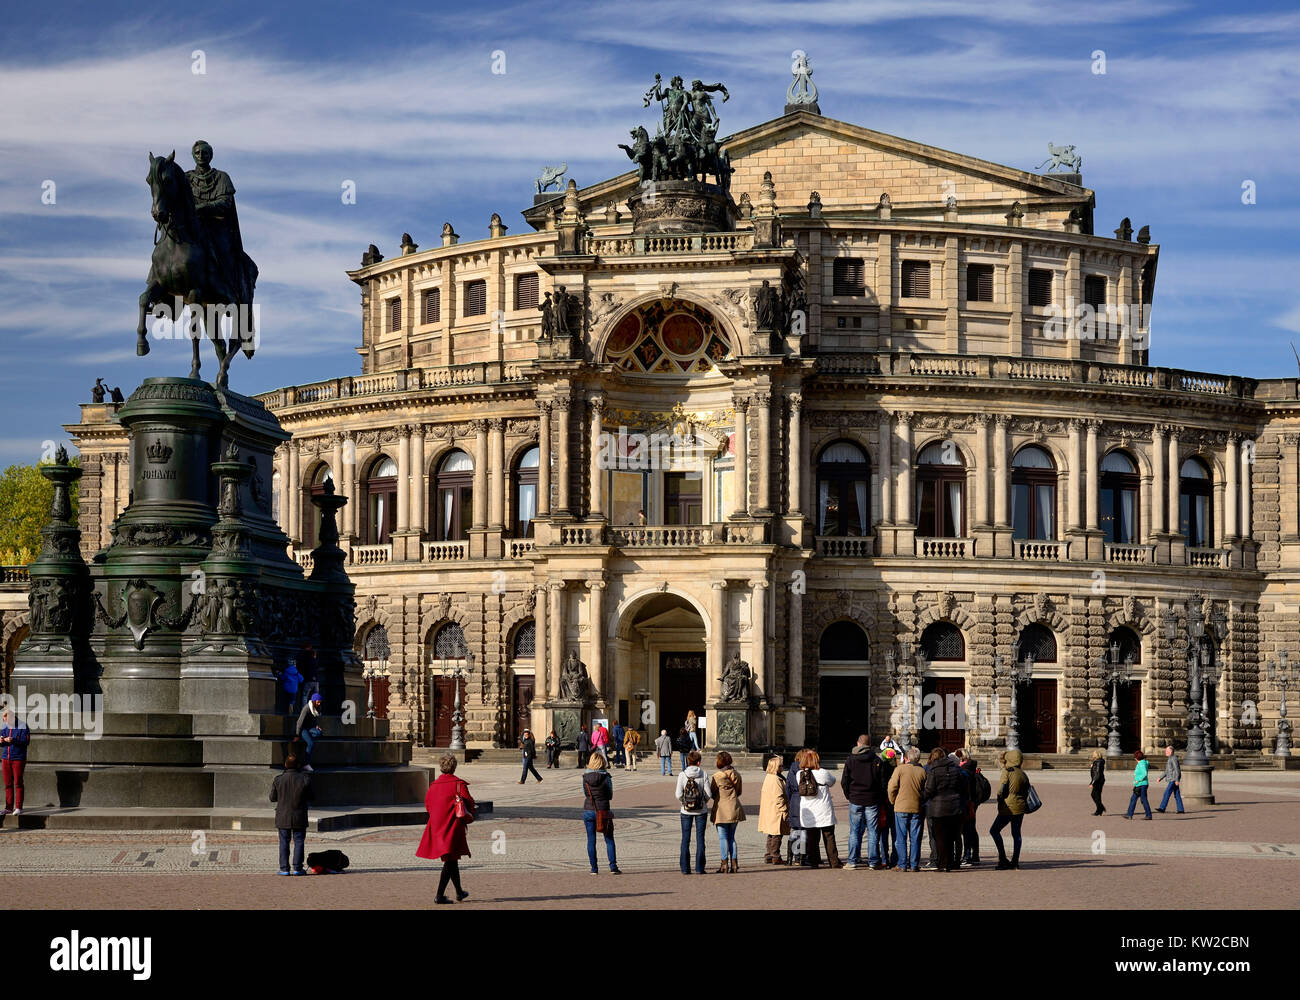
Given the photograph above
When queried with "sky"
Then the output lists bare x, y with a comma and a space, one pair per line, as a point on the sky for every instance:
442, 112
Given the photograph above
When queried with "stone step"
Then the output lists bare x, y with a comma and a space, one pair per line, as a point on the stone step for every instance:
147, 750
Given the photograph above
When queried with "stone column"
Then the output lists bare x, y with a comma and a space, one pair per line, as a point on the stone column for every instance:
1001, 516
497, 466
1158, 478
1232, 493
904, 511
336, 459
763, 417
597, 507
1175, 477
886, 466
281, 466
717, 639
796, 455
596, 630
556, 635
1247, 453
347, 478
418, 492
480, 473
293, 494
742, 457
758, 640
794, 644
542, 685
1092, 476
544, 458
1075, 478
562, 470
403, 478
983, 515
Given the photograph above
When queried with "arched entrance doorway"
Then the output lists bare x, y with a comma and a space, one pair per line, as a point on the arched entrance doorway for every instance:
661, 664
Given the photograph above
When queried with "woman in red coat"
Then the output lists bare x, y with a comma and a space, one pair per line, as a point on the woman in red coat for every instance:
444, 836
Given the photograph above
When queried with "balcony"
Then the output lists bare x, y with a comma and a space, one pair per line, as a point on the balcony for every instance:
1041, 551
630, 246
15, 576
304, 559
846, 546
945, 548
668, 536
405, 380
520, 548
443, 551
1133, 554
1209, 558
370, 555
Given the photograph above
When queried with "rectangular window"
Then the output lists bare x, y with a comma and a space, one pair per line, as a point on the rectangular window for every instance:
526, 291
848, 276
1094, 290
979, 282
395, 314
432, 301
916, 279
1040, 287
475, 298
841, 323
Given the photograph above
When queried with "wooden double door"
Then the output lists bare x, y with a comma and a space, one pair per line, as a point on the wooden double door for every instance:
444, 706
942, 714
1036, 707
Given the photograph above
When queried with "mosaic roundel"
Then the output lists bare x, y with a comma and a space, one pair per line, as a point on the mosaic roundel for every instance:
667, 337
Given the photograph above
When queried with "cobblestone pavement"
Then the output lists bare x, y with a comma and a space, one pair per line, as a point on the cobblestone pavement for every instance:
532, 852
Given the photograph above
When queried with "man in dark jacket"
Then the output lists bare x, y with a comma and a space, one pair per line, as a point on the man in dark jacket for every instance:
616, 734
584, 746
291, 791
946, 798
863, 785
978, 790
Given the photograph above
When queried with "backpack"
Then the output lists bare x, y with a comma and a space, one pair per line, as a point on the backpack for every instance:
692, 796
808, 784
983, 790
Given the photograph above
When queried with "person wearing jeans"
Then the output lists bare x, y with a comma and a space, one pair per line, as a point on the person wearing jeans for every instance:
598, 792
291, 791
863, 785
1174, 775
693, 794
664, 748
905, 794
725, 789
14, 737
684, 746
1013, 789
1139, 786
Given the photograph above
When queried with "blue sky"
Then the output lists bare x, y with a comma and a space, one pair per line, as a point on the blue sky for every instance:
402, 100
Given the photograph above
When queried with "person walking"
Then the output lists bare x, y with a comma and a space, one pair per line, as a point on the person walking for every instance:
684, 746
817, 811
863, 785
451, 809
528, 745
14, 737
946, 798
600, 740
631, 740
1139, 786
616, 737
583, 746
692, 723
693, 793
1013, 786
308, 729
1097, 780
980, 792
905, 790
598, 792
664, 748
726, 812
773, 811
1174, 775
291, 791
291, 679
552, 751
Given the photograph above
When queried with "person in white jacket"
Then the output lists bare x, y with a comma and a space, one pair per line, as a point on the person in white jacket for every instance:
693, 794
817, 810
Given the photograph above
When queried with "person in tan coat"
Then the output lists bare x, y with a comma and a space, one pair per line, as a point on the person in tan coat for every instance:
906, 790
773, 811
631, 740
724, 789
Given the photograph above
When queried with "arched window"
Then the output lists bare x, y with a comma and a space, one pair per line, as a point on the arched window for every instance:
1127, 641
310, 512
526, 492
376, 646
943, 641
1195, 504
454, 496
525, 643
844, 641
1033, 494
1119, 498
940, 491
449, 642
381, 502
843, 475
1038, 641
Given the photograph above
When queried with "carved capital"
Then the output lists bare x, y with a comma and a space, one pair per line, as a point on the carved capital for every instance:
562, 403
719, 584
480, 426
1001, 420
496, 425
544, 407
904, 417
742, 403
762, 399
1094, 425
759, 584
403, 431
596, 585
1170, 431
796, 402
597, 404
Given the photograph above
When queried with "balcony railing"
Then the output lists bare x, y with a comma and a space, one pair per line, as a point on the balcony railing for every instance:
628, 246
443, 551
668, 536
1116, 553
1209, 558
945, 548
303, 556
371, 555
406, 380
846, 547
1039, 551
581, 534
522, 548
15, 574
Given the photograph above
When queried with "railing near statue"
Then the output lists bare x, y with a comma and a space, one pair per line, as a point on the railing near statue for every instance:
629, 246
15, 576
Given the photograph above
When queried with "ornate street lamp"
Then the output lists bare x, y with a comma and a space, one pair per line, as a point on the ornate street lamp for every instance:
1198, 773
377, 652
1017, 674
1209, 680
457, 669
906, 668
1282, 674
1117, 672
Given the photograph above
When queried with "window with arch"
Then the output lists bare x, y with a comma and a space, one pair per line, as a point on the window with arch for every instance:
1033, 494
310, 512
943, 641
454, 497
526, 491
381, 502
1196, 504
844, 640
1038, 641
1118, 501
524, 646
1128, 643
940, 491
843, 477
376, 648
449, 642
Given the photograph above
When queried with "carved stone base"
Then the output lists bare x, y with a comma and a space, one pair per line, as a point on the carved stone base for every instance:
681, 207
566, 720
730, 726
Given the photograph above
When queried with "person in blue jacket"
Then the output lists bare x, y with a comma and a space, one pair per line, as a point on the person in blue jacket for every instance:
1139, 786
14, 737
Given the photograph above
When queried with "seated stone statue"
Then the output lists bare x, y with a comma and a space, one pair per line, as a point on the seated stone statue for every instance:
573, 678
735, 680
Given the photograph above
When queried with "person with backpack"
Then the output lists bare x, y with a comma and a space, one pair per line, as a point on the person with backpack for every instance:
864, 788
726, 812
693, 794
1139, 786
980, 792
946, 798
451, 809
528, 747
1174, 775
583, 746
1097, 780
664, 748
773, 811
14, 737
684, 746
631, 740
598, 792
905, 794
817, 811
1013, 788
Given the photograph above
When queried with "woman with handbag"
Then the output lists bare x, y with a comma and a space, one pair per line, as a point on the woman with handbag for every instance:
1097, 780
451, 809
725, 789
1013, 789
597, 792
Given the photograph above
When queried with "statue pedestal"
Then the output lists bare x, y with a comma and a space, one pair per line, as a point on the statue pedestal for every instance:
566, 719
681, 207
730, 725
1197, 785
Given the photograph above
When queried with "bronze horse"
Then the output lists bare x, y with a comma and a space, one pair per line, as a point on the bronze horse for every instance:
185, 268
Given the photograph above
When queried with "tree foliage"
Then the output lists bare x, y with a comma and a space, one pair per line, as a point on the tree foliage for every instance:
25, 498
